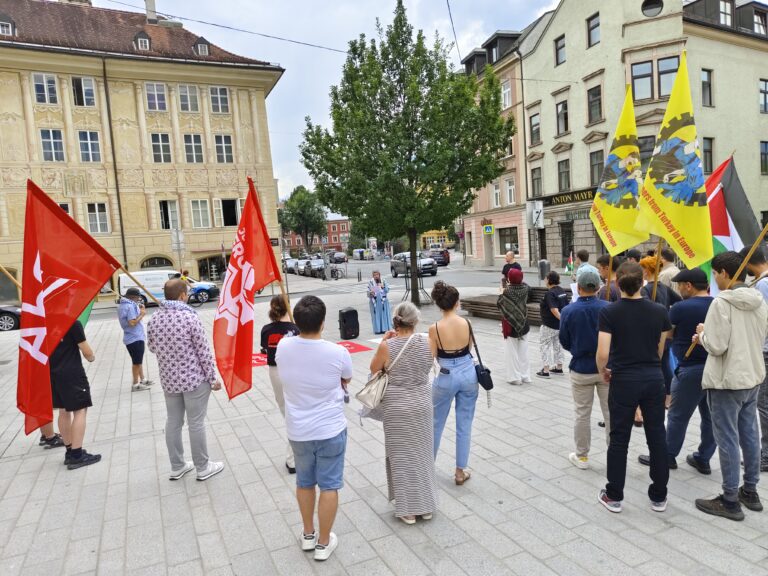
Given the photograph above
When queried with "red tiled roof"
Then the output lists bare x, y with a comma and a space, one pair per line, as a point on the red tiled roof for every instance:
52, 24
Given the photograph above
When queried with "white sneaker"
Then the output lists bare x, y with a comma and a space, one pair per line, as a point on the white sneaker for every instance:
324, 552
527, 381
308, 541
659, 506
179, 474
426, 516
581, 462
212, 469
147, 382
139, 386
515, 382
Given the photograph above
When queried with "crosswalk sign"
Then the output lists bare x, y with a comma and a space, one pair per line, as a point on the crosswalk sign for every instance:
488, 229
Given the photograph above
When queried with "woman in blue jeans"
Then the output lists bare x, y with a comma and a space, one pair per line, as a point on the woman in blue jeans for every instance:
451, 340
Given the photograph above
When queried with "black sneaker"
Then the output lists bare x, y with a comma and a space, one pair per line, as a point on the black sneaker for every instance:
645, 460
702, 467
750, 499
85, 459
55, 441
542, 374
719, 507
556, 371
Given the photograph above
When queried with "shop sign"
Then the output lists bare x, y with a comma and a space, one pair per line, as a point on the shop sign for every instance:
570, 197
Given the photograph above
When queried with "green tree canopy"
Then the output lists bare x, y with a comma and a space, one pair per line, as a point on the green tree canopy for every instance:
303, 215
410, 139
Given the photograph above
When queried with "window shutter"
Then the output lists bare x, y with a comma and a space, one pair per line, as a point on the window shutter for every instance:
218, 214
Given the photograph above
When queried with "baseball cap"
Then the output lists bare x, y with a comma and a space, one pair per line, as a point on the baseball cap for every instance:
694, 276
132, 292
589, 280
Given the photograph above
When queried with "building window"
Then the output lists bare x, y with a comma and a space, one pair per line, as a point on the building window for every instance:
535, 182
219, 100
45, 89
595, 104
201, 217
335, 239
535, 124
65, 206
169, 215
726, 12
667, 72
143, 44
223, 148
161, 148
333, 227
6, 29
193, 147
83, 92
706, 156
510, 190
642, 81
562, 117
506, 95
652, 8
564, 175
496, 195
188, 100
559, 50
53, 145
706, 88
593, 30
760, 27
764, 158
90, 150
202, 50
226, 212
764, 96
508, 240
156, 97
494, 53
98, 223
596, 161
646, 145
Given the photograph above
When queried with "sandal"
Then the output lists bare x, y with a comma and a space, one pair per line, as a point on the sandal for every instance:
465, 476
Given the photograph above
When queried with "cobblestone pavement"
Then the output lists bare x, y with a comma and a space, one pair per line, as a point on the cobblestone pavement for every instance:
526, 511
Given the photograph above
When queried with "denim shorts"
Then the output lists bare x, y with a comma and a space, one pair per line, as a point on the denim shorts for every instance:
320, 462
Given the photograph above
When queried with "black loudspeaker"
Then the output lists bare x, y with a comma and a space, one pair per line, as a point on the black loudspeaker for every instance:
349, 327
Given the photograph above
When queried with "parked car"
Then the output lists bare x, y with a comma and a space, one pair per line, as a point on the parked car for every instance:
300, 265
316, 268
338, 257
10, 318
289, 265
441, 256
154, 281
401, 264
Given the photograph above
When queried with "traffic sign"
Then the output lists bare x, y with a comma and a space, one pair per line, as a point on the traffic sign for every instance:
488, 229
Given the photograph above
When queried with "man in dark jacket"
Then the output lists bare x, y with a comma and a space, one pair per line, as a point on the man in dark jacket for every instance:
578, 334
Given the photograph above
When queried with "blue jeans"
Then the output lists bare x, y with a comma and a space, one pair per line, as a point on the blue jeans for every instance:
460, 383
686, 396
734, 421
320, 462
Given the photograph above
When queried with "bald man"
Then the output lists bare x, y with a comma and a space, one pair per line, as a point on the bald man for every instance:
511, 263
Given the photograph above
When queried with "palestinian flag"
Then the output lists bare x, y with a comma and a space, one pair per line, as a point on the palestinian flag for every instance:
733, 222
569, 264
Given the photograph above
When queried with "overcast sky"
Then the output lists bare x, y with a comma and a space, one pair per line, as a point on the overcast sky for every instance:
310, 72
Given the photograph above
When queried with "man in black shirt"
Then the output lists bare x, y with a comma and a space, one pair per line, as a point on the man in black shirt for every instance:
510, 263
549, 340
606, 267
631, 341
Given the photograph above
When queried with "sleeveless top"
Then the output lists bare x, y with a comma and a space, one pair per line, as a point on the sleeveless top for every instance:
443, 353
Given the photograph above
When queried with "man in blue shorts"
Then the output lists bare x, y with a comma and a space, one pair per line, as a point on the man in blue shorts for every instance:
130, 313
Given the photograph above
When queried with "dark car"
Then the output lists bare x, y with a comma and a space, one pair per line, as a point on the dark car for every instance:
10, 318
338, 257
401, 264
442, 257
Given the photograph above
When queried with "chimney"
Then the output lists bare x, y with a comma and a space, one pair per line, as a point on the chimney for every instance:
151, 14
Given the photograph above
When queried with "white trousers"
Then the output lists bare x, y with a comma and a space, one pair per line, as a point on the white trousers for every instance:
518, 365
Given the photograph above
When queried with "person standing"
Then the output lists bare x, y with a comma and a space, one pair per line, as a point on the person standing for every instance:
733, 334
549, 344
582, 264
633, 255
408, 417
631, 340
513, 303
668, 269
687, 393
451, 341
187, 375
379, 304
280, 327
509, 263
578, 334
758, 268
315, 373
606, 268
71, 394
130, 313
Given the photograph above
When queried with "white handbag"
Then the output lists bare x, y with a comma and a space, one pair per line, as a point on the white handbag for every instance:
373, 392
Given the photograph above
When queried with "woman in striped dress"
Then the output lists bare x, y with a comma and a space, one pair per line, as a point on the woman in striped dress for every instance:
407, 410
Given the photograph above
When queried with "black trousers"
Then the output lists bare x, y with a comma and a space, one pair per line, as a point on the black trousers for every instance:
624, 396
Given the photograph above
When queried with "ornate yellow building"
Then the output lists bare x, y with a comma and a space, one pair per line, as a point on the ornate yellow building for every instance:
135, 126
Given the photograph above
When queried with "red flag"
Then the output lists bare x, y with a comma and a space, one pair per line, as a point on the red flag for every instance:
64, 269
252, 266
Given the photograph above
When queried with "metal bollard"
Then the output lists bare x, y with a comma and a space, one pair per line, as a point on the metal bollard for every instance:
359, 275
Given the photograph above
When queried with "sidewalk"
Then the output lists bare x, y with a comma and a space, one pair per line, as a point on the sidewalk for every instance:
525, 511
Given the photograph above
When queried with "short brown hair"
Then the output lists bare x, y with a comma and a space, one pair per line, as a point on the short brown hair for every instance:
277, 308
629, 276
174, 288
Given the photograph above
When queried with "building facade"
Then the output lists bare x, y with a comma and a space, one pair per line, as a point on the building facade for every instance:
336, 237
137, 127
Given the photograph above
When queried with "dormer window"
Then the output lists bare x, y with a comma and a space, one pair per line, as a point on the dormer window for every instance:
494, 53
202, 47
143, 42
6, 29
760, 26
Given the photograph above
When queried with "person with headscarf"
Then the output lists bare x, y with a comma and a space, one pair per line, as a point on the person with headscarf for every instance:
379, 304
513, 303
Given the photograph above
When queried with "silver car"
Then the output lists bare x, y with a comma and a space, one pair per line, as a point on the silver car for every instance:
401, 264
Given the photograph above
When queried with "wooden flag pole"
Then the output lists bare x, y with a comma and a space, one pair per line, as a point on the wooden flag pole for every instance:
738, 273
287, 300
610, 273
139, 284
656, 273
10, 276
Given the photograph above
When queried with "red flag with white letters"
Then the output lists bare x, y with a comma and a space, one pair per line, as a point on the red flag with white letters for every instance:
64, 269
252, 265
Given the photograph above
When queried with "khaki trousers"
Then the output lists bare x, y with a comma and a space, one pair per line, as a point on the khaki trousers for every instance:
583, 387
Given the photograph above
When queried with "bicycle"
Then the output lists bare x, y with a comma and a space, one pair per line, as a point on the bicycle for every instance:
337, 273
198, 297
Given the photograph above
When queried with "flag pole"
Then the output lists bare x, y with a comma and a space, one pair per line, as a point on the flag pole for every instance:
738, 273
139, 284
610, 272
10, 276
287, 300
656, 273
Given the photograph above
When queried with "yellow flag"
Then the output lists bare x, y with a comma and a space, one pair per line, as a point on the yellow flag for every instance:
673, 201
614, 209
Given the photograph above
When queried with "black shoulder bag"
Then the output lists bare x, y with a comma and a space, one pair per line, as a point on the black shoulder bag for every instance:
483, 373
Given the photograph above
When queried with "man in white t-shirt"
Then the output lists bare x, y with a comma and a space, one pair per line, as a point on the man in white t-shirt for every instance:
315, 374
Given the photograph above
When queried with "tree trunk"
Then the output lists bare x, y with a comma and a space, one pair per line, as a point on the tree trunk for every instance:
412, 239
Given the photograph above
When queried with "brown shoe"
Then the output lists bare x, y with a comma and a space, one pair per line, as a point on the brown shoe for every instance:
463, 478
719, 507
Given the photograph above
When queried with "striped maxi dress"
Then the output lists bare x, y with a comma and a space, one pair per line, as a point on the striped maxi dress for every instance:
408, 429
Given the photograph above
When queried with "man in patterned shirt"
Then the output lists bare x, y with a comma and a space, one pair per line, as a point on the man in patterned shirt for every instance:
187, 375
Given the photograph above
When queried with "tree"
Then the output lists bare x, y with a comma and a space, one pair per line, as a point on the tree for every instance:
411, 138
303, 215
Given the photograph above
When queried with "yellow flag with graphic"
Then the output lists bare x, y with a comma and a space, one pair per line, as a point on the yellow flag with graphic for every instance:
614, 209
673, 201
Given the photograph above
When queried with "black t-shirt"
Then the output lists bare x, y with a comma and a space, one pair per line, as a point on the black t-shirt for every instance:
664, 295
66, 363
635, 326
271, 334
685, 316
555, 297
615, 295
508, 267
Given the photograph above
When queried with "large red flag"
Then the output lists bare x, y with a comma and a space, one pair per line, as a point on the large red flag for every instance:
252, 266
64, 269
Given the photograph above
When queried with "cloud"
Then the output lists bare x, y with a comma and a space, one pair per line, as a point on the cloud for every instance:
551, 6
